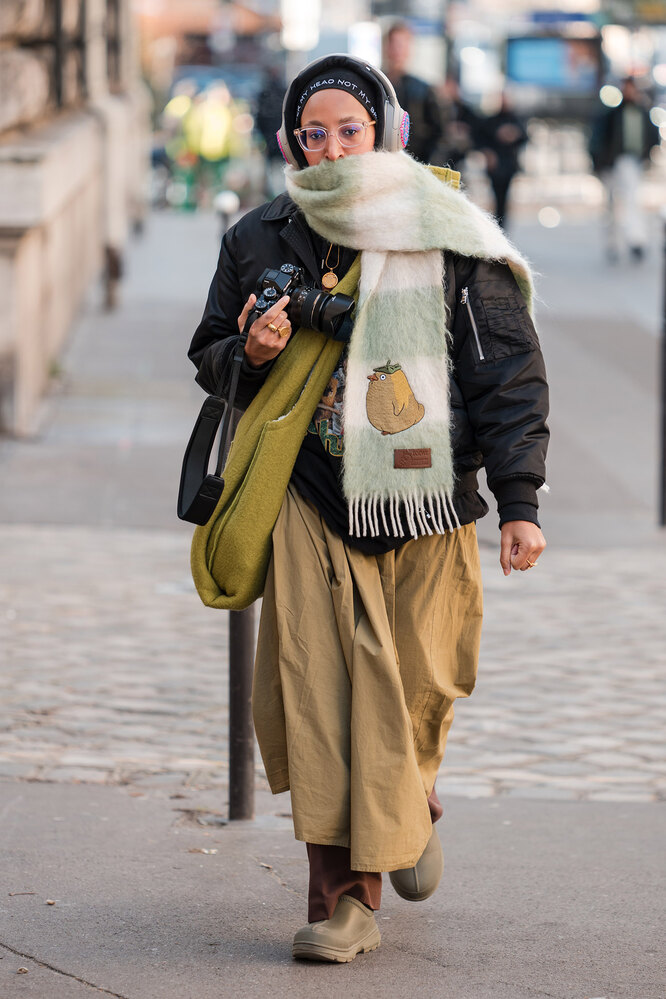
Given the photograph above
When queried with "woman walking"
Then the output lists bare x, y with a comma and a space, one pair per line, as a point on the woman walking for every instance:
371, 612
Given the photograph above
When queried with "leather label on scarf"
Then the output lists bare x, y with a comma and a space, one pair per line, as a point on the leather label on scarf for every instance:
412, 457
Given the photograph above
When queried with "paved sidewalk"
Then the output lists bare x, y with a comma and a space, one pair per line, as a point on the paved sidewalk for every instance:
113, 723
116, 673
548, 900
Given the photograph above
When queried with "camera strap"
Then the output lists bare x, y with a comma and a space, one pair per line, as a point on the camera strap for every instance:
199, 491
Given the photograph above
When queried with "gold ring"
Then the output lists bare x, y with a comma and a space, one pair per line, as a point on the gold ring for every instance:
285, 334
272, 328
532, 564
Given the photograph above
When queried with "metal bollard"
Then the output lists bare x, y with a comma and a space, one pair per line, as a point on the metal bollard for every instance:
241, 729
662, 478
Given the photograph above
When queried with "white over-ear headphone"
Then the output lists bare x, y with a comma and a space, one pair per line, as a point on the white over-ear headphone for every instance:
392, 124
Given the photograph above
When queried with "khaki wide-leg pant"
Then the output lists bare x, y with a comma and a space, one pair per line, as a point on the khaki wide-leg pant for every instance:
359, 660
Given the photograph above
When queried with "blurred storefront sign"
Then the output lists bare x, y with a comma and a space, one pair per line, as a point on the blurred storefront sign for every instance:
559, 16
565, 65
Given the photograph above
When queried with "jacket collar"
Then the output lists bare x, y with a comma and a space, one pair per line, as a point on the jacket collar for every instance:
281, 207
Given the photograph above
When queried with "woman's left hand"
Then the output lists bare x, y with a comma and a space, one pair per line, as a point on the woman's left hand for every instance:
522, 543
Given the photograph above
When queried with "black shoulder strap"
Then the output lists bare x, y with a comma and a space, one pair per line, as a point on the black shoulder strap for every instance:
199, 490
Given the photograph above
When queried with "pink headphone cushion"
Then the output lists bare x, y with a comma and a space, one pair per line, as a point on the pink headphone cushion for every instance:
279, 142
404, 129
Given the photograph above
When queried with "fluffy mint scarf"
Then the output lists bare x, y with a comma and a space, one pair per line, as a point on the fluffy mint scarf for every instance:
397, 450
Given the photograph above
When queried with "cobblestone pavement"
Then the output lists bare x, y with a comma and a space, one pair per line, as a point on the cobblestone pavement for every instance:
115, 673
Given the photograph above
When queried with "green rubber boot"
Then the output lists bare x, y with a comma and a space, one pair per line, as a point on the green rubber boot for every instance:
351, 930
419, 882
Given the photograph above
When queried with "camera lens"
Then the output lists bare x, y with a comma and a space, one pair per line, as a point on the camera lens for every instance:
318, 310
301, 306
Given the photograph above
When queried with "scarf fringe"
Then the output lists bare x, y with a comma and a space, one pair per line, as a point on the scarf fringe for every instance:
423, 512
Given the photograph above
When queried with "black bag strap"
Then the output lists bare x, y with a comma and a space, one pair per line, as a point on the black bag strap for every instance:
199, 491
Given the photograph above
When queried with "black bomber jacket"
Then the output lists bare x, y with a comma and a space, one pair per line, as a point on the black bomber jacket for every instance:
498, 388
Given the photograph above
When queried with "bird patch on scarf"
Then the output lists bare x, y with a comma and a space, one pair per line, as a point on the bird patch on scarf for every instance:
390, 403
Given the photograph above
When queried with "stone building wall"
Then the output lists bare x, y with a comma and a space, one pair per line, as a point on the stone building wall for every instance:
73, 159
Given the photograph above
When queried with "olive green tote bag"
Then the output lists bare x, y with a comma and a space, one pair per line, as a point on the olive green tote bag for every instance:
230, 554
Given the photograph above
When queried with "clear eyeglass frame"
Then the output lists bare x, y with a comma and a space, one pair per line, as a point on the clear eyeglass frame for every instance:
301, 134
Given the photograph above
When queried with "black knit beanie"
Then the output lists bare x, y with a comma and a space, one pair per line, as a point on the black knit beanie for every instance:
340, 79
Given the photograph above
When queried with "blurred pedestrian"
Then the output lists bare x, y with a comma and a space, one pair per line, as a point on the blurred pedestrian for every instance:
620, 145
207, 129
268, 117
502, 136
371, 612
415, 95
460, 126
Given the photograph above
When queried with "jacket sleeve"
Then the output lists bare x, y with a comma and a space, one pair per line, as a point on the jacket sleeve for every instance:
500, 371
216, 336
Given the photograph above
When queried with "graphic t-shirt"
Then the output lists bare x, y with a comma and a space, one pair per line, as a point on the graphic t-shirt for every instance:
326, 423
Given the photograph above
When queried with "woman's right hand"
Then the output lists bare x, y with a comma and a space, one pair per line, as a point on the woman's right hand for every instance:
264, 344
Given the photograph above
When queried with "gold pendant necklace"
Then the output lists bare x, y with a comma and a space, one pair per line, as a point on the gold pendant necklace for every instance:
330, 279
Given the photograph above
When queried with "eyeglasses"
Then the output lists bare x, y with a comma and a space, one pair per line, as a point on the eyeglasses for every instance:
314, 138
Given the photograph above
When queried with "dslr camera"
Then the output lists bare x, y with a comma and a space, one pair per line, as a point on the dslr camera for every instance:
311, 308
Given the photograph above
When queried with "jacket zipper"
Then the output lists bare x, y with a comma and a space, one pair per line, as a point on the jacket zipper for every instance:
464, 300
